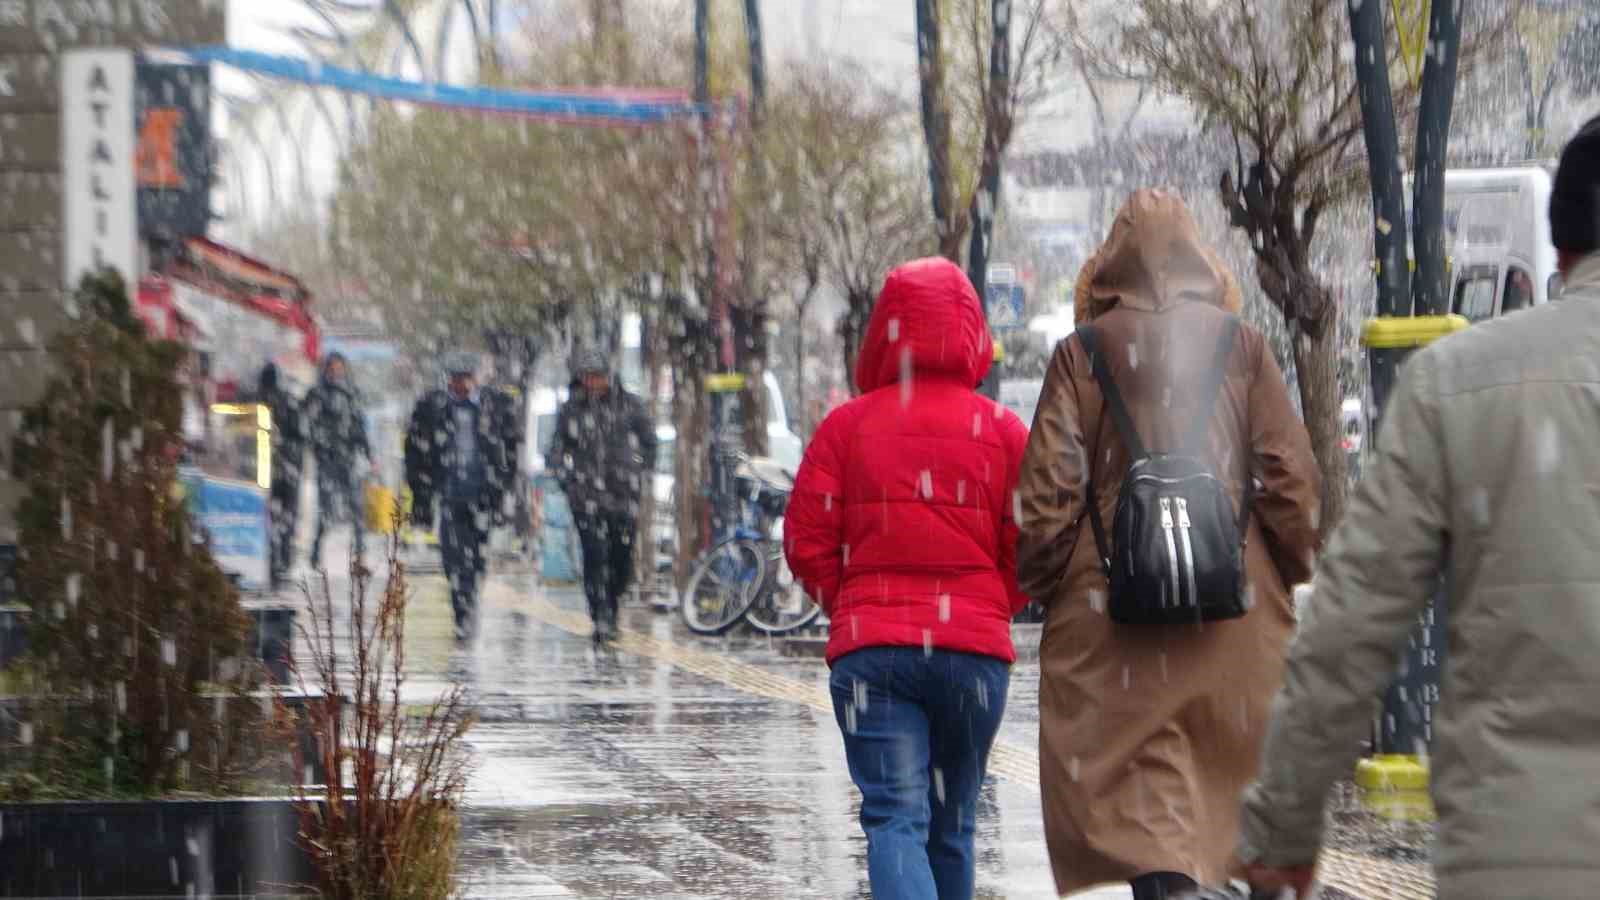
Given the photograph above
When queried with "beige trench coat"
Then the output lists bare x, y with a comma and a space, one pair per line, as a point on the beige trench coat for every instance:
1485, 470
1148, 735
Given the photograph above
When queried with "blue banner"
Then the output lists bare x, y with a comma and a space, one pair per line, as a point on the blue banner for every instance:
574, 107
234, 515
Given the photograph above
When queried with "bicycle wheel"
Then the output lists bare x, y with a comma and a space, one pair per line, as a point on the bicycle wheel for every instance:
722, 587
781, 606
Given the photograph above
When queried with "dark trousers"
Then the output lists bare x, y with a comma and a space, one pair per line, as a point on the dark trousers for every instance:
607, 544
461, 545
285, 507
917, 728
336, 490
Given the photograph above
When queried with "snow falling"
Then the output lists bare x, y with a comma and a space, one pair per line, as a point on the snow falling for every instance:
713, 489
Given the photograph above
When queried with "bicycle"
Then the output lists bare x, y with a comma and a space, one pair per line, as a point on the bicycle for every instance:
745, 576
781, 606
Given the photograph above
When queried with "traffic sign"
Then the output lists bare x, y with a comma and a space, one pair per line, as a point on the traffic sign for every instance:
1006, 304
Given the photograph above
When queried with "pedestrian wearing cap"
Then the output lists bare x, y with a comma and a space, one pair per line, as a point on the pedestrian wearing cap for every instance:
461, 453
1484, 473
603, 448
337, 428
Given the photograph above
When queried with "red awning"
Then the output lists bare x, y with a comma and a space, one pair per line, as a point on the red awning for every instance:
248, 282
161, 317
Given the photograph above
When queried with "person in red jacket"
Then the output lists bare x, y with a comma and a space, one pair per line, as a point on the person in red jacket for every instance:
901, 526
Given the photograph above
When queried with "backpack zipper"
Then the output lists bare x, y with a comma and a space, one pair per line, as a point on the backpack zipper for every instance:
1188, 550
1172, 548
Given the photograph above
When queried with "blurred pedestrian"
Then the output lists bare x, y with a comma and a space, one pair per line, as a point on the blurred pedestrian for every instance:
1149, 731
338, 431
461, 451
603, 449
288, 456
1484, 474
900, 526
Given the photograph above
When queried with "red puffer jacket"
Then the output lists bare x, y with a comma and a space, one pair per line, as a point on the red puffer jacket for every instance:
901, 523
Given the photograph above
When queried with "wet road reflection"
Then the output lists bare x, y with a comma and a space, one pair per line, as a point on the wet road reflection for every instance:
692, 769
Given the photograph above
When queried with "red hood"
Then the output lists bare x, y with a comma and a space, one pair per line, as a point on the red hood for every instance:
927, 319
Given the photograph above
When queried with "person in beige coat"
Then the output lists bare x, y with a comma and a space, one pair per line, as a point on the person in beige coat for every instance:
1149, 733
1486, 471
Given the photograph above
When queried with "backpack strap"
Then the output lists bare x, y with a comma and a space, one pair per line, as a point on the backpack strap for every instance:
1090, 338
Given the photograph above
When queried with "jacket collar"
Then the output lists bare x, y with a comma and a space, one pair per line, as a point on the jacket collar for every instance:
1585, 276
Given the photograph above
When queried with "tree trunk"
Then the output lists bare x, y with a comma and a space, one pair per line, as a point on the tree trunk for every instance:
649, 362
691, 463
802, 411
852, 328
752, 342
1429, 292
936, 127
1316, 364
702, 53
1531, 125
752, 350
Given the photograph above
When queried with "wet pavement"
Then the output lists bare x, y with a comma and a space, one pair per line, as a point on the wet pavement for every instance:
685, 767
672, 767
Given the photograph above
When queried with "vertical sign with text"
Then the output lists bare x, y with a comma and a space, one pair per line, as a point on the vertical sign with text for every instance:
172, 160
99, 193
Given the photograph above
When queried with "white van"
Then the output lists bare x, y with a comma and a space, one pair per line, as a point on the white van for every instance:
1497, 235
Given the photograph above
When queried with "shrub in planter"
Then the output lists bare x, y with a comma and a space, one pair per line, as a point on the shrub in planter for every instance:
386, 829
138, 672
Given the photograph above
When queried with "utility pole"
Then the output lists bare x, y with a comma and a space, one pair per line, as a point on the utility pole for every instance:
986, 201
1392, 267
1412, 312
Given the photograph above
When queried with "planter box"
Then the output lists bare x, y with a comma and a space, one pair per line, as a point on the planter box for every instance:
271, 635
16, 710
154, 848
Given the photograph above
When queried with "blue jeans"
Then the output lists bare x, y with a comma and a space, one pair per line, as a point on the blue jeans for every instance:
917, 730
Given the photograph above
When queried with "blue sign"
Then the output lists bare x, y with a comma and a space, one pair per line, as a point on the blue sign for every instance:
1007, 303
234, 515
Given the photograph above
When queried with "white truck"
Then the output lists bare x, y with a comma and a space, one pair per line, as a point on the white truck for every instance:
1497, 235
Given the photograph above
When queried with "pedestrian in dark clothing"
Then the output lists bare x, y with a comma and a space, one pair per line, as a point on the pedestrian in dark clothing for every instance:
288, 456
338, 431
461, 451
604, 445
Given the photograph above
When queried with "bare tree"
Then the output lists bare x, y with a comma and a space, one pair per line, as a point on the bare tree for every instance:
851, 208
1273, 75
973, 96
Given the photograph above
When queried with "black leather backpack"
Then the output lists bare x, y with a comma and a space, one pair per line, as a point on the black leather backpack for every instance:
1176, 551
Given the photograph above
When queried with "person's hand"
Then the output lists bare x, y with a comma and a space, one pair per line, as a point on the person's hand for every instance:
1272, 881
